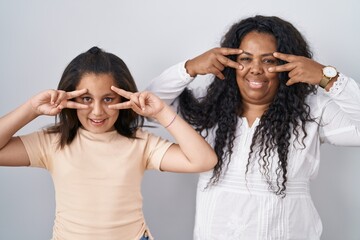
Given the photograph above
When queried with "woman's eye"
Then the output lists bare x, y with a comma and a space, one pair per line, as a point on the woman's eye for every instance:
244, 59
270, 61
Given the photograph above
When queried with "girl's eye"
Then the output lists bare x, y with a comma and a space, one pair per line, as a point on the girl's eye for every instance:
86, 99
108, 100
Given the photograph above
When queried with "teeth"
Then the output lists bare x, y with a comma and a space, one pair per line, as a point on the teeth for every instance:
256, 83
97, 121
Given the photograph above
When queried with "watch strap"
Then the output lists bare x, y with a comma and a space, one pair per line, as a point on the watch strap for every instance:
324, 81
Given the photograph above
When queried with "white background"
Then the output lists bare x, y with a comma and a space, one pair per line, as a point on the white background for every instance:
39, 38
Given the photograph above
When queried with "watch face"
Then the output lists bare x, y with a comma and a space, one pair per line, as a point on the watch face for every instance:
329, 72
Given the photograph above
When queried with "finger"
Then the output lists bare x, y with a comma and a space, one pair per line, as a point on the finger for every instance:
76, 93
126, 105
282, 68
217, 64
122, 92
291, 81
284, 57
61, 95
227, 62
142, 100
136, 108
293, 73
74, 105
53, 96
134, 99
229, 51
218, 73
122, 105
55, 111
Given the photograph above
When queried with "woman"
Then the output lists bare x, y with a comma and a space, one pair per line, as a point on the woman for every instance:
266, 117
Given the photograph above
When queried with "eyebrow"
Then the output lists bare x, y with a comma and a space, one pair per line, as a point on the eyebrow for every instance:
110, 94
263, 55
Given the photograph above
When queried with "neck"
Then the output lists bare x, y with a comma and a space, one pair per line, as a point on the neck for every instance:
253, 111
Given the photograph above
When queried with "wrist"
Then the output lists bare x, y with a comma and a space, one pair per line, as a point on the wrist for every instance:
32, 112
189, 69
331, 83
166, 116
328, 74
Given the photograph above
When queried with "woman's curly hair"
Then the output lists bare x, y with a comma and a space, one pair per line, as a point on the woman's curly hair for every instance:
221, 106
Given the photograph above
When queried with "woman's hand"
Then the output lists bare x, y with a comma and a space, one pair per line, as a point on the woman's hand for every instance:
213, 61
301, 69
51, 102
143, 103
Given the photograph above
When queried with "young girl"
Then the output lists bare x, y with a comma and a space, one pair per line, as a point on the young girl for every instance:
97, 152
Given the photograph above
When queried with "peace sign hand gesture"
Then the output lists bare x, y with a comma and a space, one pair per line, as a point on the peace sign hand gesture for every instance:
143, 103
300, 68
213, 61
51, 102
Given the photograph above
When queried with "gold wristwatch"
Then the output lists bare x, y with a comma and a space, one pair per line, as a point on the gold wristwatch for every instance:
328, 73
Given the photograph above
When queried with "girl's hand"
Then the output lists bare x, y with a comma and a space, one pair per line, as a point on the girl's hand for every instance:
51, 102
213, 61
143, 103
301, 69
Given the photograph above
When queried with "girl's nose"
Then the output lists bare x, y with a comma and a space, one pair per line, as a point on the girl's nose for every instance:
97, 109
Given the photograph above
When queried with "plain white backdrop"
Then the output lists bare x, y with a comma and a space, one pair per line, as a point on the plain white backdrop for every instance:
39, 38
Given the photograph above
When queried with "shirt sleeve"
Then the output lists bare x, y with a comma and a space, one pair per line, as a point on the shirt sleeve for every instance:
171, 83
155, 150
340, 119
38, 146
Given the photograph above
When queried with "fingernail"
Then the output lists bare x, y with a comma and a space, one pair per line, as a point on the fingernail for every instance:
270, 69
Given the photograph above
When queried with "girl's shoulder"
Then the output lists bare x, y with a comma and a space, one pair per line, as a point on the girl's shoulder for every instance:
42, 135
149, 136
143, 134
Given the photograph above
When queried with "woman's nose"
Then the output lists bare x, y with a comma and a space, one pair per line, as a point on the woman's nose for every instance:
256, 68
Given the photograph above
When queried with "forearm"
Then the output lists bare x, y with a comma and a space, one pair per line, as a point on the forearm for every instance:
14, 121
346, 94
340, 123
170, 84
199, 154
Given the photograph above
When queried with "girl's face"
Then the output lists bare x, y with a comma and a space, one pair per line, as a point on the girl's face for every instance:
98, 118
256, 84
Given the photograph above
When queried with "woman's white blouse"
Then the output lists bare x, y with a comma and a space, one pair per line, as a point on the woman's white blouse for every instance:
242, 206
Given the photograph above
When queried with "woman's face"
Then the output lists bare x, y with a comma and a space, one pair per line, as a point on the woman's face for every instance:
256, 84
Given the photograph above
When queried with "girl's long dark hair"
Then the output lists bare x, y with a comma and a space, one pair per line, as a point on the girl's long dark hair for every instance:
287, 114
95, 61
